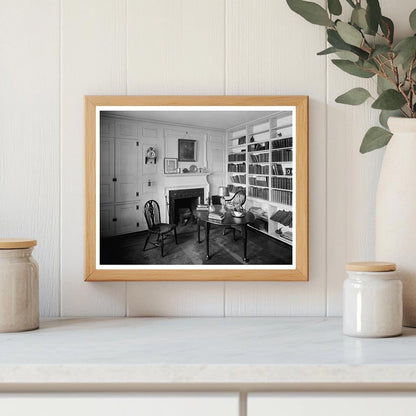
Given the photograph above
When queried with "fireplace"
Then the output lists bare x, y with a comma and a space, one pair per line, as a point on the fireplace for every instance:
183, 201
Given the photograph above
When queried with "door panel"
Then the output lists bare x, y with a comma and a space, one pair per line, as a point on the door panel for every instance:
127, 170
107, 127
127, 218
127, 129
107, 228
106, 170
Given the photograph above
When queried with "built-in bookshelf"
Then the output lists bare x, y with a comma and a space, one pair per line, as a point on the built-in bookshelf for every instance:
260, 161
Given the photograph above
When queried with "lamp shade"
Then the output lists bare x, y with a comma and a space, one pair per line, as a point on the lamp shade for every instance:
223, 191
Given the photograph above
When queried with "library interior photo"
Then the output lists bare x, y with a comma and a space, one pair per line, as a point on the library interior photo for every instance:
197, 187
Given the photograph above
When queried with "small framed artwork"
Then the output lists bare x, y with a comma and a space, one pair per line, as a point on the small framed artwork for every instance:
153, 223
171, 165
186, 150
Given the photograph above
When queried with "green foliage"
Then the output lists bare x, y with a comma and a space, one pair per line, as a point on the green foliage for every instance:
375, 138
387, 27
373, 15
311, 12
412, 20
356, 96
334, 7
366, 48
349, 34
352, 68
389, 100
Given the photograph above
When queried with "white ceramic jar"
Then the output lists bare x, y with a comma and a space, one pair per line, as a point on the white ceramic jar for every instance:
372, 300
19, 286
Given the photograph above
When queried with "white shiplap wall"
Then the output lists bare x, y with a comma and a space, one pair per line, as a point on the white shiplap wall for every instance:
55, 52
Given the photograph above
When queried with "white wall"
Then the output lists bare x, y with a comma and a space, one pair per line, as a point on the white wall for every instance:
55, 52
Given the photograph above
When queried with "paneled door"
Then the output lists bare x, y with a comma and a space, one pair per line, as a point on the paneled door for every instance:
127, 170
107, 223
127, 216
106, 170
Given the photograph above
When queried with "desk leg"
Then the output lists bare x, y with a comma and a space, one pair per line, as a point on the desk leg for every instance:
244, 232
199, 230
207, 226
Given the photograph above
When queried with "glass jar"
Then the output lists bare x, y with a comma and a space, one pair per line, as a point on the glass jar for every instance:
372, 300
19, 286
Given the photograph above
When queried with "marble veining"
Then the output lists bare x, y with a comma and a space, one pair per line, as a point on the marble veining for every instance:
203, 350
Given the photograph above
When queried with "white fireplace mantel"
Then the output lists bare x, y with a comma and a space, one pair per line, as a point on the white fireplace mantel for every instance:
176, 181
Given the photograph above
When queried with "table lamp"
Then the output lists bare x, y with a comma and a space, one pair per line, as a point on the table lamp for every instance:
223, 192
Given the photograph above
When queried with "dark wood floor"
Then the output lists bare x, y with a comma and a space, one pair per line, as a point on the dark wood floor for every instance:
261, 249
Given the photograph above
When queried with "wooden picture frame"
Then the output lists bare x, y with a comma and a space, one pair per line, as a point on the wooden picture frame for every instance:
186, 150
297, 271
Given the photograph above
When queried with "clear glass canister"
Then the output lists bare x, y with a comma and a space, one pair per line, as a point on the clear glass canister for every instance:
19, 286
372, 300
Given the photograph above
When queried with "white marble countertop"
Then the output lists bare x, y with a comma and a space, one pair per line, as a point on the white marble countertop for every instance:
234, 351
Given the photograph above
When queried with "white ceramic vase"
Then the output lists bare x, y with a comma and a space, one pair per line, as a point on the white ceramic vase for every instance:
396, 210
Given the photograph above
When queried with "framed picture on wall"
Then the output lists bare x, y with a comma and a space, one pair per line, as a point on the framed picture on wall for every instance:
237, 211
171, 165
186, 150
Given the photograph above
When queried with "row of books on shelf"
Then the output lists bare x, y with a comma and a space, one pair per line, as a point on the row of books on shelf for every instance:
238, 178
261, 169
262, 193
287, 142
236, 167
284, 155
282, 183
262, 158
282, 197
256, 147
237, 157
259, 180
234, 188
277, 169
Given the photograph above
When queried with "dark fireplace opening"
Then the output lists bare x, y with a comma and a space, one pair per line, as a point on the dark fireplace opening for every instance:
182, 204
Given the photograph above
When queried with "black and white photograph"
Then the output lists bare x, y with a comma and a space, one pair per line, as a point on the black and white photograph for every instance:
197, 186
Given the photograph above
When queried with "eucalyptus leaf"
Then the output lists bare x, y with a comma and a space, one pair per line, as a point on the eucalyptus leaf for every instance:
327, 51
373, 14
383, 50
405, 50
386, 114
358, 18
349, 34
336, 41
334, 7
311, 12
356, 96
352, 68
347, 55
412, 20
387, 27
383, 85
375, 138
389, 100
371, 65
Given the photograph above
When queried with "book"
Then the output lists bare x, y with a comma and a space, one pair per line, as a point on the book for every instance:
202, 207
215, 216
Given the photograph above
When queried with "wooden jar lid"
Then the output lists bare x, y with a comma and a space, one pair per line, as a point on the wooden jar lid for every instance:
371, 266
13, 243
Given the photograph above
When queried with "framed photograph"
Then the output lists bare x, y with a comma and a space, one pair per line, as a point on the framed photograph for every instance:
171, 165
186, 150
242, 214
